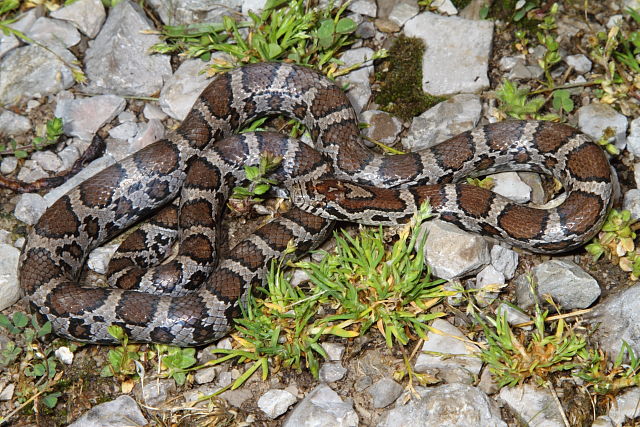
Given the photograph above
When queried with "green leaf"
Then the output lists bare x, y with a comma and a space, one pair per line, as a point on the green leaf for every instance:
261, 189
179, 378
117, 332
345, 26
106, 371
325, 33
562, 100
252, 172
20, 154
20, 319
51, 399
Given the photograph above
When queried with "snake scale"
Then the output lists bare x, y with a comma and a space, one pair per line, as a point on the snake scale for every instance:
191, 300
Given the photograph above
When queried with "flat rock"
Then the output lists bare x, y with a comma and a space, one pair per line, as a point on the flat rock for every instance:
86, 15
29, 208
322, 407
359, 90
9, 287
118, 60
536, 407
182, 89
12, 124
83, 117
181, 12
276, 402
457, 55
384, 392
594, 118
54, 33
123, 411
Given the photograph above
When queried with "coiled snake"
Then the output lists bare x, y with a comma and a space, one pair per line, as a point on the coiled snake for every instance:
339, 180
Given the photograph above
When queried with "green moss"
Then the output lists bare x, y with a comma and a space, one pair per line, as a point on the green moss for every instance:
460, 4
401, 91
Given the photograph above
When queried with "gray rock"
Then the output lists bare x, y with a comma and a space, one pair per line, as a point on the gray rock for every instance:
255, 6
99, 258
455, 359
446, 119
12, 124
7, 392
594, 118
48, 160
126, 131
23, 23
568, 284
155, 392
334, 350
86, 15
403, 11
31, 71
359, 88
9, 287
626, 406
19, 243
8, 164
631, 202
364, 7
118, 61
182, 89
445, 7
615, 21
152, 111
366, 30
507, 63
182, 12
522, 71
514, 316
384, 392
488, 278
53, 33
603, 421
322, 407
276, 402
29, 208
64, 355
509, 185
237, 397
205, 375
119, 412
83, 117
31, 171
331, 372
536, 407
504, 260
151, 132
580, 63
5, 236
454, 253
623, 307
457, 54
451, 405
383, 127
633, 140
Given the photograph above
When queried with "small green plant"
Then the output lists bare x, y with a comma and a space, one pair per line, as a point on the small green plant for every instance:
517, 102
176, 361
259, 184
547, 38
616, 242
603, 377
514, 357
51, 134
487, 182
122, 359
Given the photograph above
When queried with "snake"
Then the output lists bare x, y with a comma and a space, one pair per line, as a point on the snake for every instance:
193, 299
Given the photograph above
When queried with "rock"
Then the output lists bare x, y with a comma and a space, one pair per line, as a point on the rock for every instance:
182, 89
364, 7
7, 392
445, 7
152, 132
205, 375
386, 26
83, 117
334, 350
514, 315
622, 307
31, 71
68, 156
454, 253
359, 90
31, 171
64, 355
126, 131
99, 258
504, 260
19, 243
521, 71
446, 119
631, 202
383, 127
152, 111
276, 402
54, 34
603, 421
29, 208
192, 11
536, 407
568, 284
12, 124
384, 392
322, 407
489, 281
625, 407
509, 185
331, 372
403, 11
8, 164
118, 61
48, 160
86, 15
594, 118
5, 236
237, 397
454, 405
633, 140
23, 22
155, 392
119, 412
255, 6
9, 287
452, 357
580, 63
457, 54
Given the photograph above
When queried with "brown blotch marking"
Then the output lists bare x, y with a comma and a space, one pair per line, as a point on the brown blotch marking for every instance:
136, 308
196, 129
501, 136
227, 285
73, 249
158, 189
580, 211
59, 220
277, 235
118, 264
247, 254
166, 217
588, 162
521, 222
555, 246
308, 221
72, 299
197, 247
197, 212
217, 96
404, 166
160, 158
522, 157
489, 229
131, 279
550, 162
485, 163
327, 100
454, 152
201, 174
38, 269
551, 136
434, 193
474, 201
79, 329
91, 226
302, 79
97, 192
136, 241
161, 335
